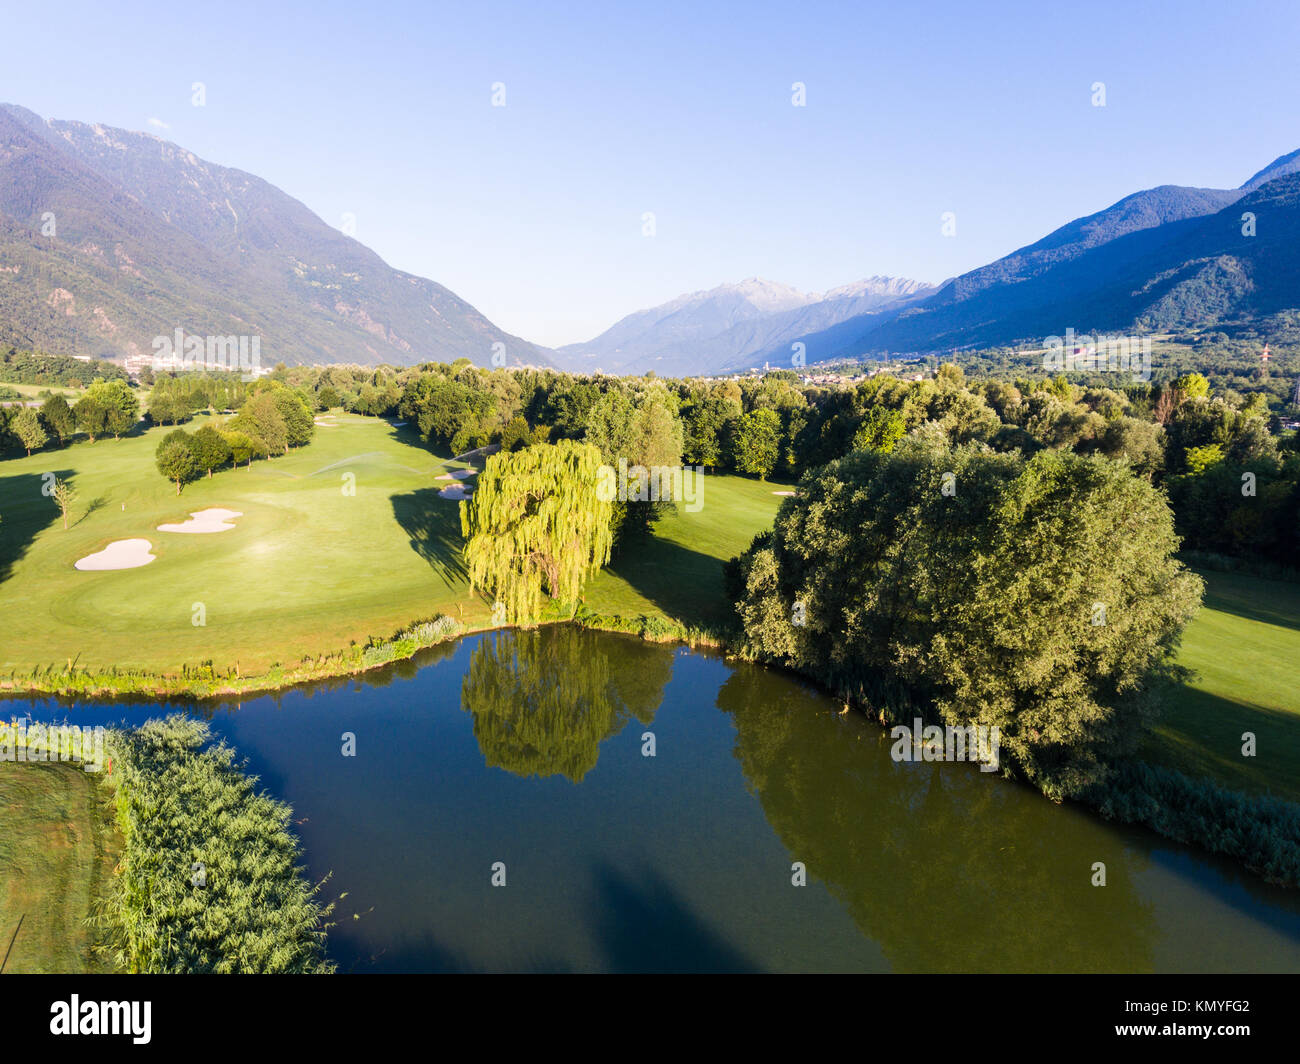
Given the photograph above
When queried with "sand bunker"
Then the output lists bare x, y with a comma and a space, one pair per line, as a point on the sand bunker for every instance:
783, 493
214, 519
120, 554
455, 492
457, 474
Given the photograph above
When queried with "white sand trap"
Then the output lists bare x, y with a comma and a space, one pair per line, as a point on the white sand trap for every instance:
120, 554
457, 474
214, 519
783, 493
328, 421
397, 424
455, 492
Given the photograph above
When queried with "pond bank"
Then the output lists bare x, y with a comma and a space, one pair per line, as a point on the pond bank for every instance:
205, 681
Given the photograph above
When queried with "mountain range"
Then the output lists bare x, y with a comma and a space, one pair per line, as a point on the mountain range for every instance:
1170, 257
731, 327
110, 238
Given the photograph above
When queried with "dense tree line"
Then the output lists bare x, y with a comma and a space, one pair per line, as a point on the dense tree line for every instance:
107, 408
1222, 451
1193, 435
176, 397
273, 419
33, 367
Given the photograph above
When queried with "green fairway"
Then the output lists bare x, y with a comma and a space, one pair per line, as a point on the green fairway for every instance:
57, 848
38, 391
308, 568
1243, 646
677, 572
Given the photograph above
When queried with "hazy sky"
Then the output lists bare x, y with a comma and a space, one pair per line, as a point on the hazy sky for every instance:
533, 211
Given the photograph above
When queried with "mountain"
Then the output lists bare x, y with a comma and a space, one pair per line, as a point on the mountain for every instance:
1141, 211
729, 326
1168, 257
148, 237
1280, 167
636, 341
819, 325
110, 238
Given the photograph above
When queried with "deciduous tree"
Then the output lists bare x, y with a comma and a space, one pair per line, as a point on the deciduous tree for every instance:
175, 458
29, 430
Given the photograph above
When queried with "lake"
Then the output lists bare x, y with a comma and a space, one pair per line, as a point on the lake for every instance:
527, 750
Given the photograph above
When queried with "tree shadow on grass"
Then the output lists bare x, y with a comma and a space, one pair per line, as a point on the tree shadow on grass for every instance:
685, 584
1240, 605
1201, 733
97, 503
25, 510
433, 525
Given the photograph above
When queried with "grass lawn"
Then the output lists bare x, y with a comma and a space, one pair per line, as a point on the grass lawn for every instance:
57, 850
677, 572
1244, 646
36, 391
308, 568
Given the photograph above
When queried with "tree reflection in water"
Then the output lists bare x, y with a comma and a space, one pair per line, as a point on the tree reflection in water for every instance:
946, 868
543, 700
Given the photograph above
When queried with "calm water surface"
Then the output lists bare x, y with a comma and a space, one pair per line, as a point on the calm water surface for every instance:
526, 748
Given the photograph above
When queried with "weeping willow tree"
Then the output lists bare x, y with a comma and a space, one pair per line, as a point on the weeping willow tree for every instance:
536, 525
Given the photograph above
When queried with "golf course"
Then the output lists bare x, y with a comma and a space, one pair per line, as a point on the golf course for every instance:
1241, 649
355, 536
343, 539
349, 538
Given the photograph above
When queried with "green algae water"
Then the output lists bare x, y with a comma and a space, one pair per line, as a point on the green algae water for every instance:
522, 758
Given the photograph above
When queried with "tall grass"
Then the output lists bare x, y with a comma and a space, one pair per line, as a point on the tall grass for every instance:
209, 880
1260, 831
203, 680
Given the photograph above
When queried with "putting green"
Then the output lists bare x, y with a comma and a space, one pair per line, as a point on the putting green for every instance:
338, 541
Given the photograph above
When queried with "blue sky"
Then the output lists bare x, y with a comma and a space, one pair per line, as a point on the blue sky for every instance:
533, 211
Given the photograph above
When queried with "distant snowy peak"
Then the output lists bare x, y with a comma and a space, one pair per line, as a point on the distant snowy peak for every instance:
713, 329
885, 287
764, 297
